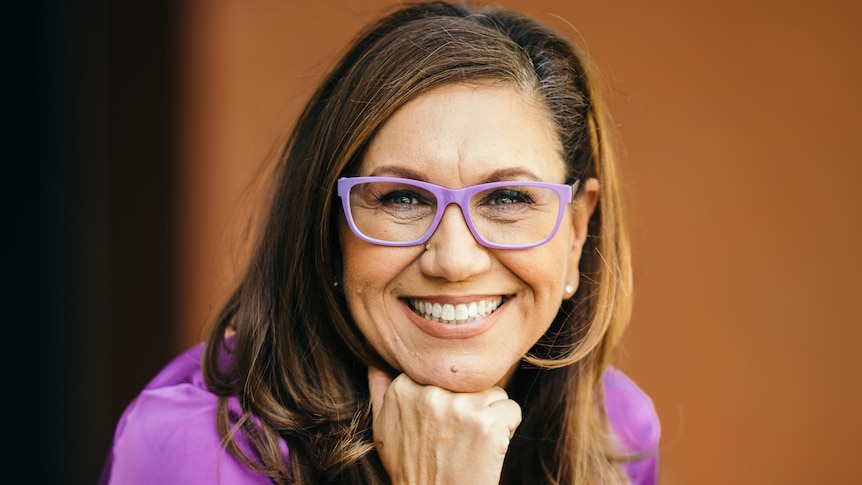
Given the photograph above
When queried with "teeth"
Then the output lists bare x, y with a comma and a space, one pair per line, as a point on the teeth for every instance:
436, 311
460, 312
454, 314
448, 312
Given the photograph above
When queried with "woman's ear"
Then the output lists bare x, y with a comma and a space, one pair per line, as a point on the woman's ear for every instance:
584, 205
581, 211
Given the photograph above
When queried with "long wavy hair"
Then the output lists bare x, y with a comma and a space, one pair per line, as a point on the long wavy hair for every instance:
298, 362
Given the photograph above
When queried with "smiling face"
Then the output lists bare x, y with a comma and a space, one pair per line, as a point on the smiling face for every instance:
411, 302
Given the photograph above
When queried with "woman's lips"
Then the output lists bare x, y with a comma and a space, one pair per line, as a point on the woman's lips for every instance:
454, 313
454, 320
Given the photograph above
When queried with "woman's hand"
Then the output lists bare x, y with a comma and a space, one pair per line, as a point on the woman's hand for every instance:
428, 435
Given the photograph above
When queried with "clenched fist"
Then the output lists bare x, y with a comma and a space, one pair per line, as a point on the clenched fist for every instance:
428, 435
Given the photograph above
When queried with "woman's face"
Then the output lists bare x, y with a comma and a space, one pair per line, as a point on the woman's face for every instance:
456, 136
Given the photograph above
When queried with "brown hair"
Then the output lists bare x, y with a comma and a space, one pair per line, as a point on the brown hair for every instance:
299, 364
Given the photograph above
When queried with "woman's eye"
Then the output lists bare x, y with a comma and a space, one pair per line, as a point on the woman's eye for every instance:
507, 197
401, 197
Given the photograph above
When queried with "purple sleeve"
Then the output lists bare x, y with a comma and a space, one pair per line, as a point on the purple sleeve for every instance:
635, 423
168, 435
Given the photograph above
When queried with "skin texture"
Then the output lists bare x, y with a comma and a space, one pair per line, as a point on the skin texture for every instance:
446, 417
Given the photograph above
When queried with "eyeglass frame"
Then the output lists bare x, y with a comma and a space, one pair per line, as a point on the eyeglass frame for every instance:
460, 197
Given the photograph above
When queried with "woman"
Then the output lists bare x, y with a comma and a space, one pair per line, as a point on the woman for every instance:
438, 290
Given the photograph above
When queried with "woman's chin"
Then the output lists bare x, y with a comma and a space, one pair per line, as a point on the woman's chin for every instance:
457, 379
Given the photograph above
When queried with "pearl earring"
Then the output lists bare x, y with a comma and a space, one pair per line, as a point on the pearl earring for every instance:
569, 289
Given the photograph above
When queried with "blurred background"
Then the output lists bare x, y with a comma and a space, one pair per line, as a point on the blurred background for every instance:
739, 124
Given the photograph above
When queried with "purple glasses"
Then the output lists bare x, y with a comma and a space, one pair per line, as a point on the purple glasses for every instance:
502, 215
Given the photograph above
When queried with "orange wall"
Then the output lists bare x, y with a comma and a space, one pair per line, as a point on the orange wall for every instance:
740, 124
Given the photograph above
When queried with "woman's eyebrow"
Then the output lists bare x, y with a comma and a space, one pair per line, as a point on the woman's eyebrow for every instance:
397, 171
499, 175
512, 173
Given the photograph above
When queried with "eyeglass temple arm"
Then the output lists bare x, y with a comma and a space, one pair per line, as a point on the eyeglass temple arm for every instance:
575, 188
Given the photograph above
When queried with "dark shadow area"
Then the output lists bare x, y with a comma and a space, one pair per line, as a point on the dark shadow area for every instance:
105, 87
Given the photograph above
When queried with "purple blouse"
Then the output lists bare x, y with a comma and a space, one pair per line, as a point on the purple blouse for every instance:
168, 435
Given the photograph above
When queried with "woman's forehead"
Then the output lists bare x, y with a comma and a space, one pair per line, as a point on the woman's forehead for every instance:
463, 131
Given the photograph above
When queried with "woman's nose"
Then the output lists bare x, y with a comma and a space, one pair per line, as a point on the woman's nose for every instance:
452, 252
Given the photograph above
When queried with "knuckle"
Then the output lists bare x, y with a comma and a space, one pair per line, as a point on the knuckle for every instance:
430, 400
